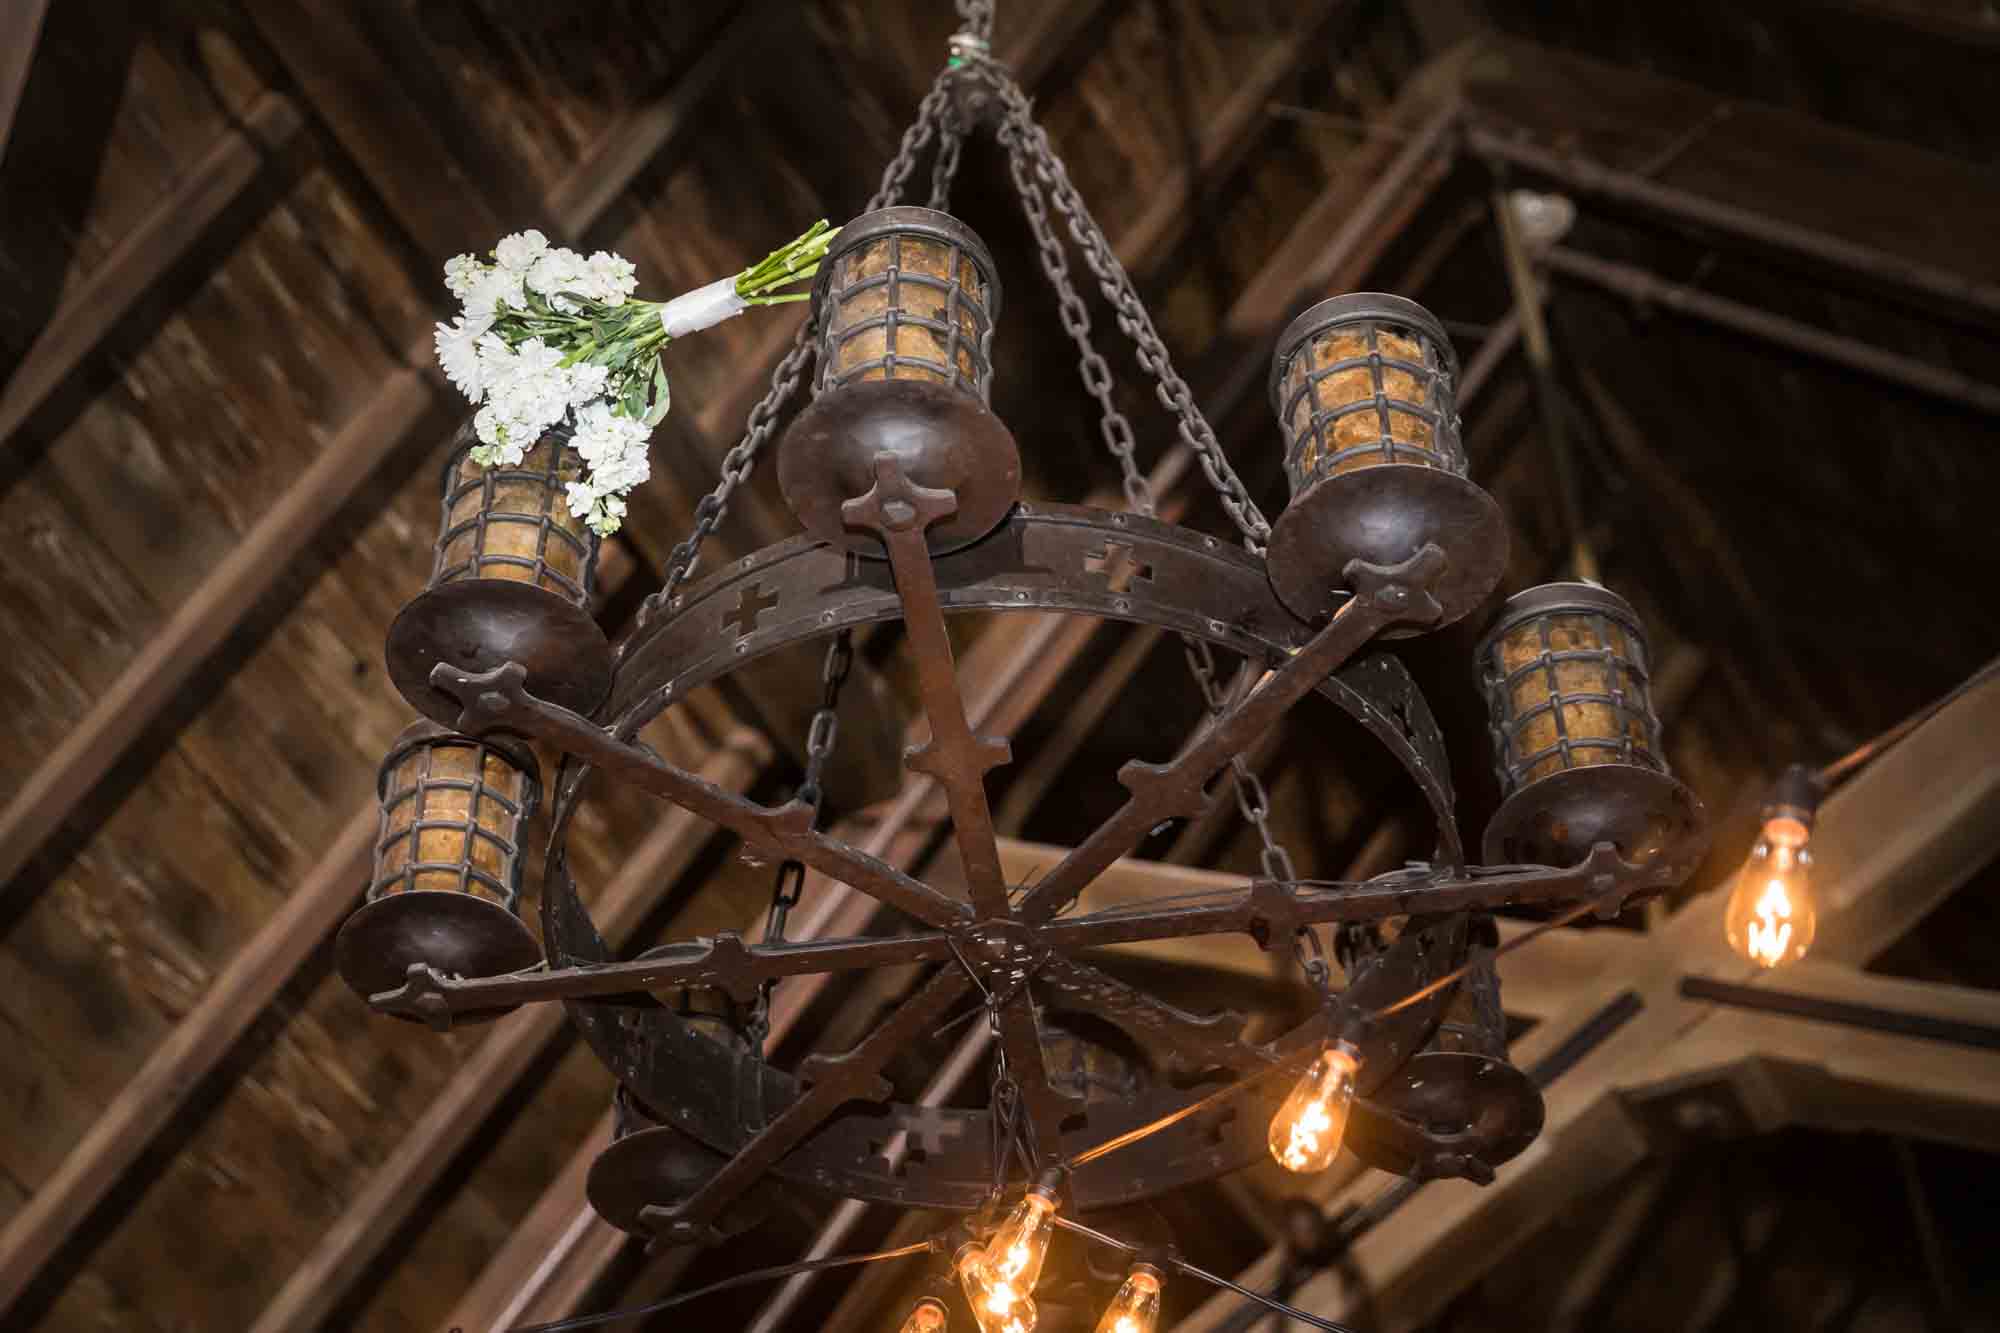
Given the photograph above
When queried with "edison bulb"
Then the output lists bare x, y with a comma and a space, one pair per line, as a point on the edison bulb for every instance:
927, 1316
1771, 917
1306, 1131
1136, 1307
1019, 1247
998, 1304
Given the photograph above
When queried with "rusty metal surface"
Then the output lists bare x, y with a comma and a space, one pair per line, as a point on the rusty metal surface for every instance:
825, 1127
1045, 557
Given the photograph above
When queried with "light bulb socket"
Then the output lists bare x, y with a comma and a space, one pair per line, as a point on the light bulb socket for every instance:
1049, 1184
1795, 795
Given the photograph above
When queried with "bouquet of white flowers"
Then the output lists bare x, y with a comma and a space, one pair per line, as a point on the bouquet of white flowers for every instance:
547, 334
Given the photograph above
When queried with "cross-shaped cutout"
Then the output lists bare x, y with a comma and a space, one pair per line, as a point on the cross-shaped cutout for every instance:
752, 602
1118, 566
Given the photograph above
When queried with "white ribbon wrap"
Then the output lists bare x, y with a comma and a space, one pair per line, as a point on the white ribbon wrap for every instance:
702, 308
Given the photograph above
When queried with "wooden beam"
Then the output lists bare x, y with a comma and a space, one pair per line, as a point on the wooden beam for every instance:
401, 150
201, 623
643, 140
150, 251
20, 31
228, 593
516, 1042
1226, 136
176, 1068
1779, 180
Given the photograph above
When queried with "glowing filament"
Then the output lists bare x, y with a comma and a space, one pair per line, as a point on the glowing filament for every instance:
1307, 1130
1136, 1307
927, 1317
1771, 918
999, 1305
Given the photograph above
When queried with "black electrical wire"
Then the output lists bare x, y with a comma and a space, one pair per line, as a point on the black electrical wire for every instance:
1180, 1265
748, 1279
1839, 770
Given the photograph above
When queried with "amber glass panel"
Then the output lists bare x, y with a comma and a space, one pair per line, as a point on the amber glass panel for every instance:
510, 545
922, 353
434, 784
1596, 728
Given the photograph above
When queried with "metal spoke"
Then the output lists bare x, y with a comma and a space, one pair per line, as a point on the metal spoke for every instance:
1175, 789
834, 1081
899, 511
1265, 910
498, 699
724, 963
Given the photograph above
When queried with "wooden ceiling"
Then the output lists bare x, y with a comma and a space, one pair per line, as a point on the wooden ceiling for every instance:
220, 434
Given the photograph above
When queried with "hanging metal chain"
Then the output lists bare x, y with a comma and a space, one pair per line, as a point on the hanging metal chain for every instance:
737, 465
1091, 366
740, 462
975, 18
945, 169
1133, 318
1251, 798
821, 737
1098, 381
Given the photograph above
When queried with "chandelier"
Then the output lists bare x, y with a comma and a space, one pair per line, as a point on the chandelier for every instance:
908, 489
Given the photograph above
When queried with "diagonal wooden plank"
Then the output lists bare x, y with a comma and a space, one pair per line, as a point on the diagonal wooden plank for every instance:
20, 31
201, 623
153, 248
178, 649
422, 176
423, 1154
189, 1054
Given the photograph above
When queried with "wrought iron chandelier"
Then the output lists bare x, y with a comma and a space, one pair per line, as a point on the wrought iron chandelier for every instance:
907, 487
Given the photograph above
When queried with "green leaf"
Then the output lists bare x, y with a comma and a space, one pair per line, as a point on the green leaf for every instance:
662, 396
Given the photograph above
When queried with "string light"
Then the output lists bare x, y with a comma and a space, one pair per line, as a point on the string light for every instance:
998, 1305
1136, 1307
1771, 916
926, 1316
1021, 1245
1307, 1130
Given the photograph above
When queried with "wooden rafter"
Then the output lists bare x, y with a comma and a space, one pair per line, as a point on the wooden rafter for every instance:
380, 431
160, 670
20, 31
463, 1105
176, 1068
154, 248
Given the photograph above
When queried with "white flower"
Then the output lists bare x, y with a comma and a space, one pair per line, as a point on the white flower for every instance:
492, 288
458, 353
519, 251
611, 278
586, 383
460, 272
559, 271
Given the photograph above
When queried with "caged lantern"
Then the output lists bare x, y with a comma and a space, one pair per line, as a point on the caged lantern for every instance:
511, 581
907, 299
1575, 740
447, 872
1364, 388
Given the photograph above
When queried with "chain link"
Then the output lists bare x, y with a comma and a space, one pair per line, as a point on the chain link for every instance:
821, 736
1133, 319
1098, 381
741, 461
1027, 150
944, 170
975, 18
